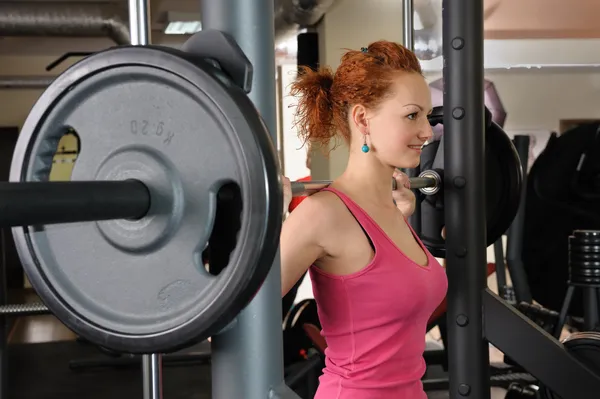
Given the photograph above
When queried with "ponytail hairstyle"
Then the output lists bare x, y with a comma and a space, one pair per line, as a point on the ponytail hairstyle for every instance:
363, 77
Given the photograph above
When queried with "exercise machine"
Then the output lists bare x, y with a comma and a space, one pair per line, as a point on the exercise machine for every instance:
147, 117
475, 315
231, 58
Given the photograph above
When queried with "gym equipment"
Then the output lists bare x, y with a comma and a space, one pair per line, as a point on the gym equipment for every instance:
554, 184
503, 184
518, 391
545, 318
296, 343
300, 188
584, 273
469, 300
584, 346
159, 194
519, 291
147, 117
491, 99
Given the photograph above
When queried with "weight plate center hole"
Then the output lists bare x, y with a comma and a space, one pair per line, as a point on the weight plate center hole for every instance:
215, 256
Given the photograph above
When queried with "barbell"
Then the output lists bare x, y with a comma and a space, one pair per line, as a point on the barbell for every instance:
176, 169
45, 203
171, 219
428, 183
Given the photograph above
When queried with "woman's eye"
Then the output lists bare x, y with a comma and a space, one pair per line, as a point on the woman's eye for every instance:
413, 116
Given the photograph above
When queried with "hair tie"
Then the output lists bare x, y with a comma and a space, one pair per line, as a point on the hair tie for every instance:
364, 49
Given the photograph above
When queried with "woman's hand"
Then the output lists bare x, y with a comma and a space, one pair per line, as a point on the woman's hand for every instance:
287, 193
404, 197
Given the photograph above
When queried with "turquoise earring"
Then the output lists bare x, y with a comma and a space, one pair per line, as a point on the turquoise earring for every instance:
365, 148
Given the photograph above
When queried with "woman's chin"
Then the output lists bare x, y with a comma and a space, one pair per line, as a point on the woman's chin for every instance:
409, 164
409, 161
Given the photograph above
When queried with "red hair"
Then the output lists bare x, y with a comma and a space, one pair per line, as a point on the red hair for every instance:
363, 77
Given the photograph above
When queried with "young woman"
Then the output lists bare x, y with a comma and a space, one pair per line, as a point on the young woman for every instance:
375, 283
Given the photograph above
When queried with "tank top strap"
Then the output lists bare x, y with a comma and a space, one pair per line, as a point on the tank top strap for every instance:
367, 223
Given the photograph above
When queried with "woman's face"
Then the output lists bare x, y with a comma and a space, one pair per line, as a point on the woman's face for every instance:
398, 128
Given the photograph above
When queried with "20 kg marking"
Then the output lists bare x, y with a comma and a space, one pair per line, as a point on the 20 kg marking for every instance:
146, 128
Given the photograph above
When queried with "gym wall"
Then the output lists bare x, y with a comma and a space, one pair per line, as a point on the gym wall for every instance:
17, 103
539, 99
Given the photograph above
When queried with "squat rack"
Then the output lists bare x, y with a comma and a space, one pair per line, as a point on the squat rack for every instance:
247, 357
475, 315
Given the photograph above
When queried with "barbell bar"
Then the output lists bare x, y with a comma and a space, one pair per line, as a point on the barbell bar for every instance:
428, 182
44, 203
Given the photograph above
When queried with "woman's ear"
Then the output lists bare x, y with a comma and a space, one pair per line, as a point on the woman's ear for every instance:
358, 116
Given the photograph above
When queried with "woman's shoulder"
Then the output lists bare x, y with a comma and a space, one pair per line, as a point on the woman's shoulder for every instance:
321, 212
324, 203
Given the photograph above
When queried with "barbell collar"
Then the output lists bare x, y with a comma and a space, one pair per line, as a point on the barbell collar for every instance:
44, 203
300, 188
434, 180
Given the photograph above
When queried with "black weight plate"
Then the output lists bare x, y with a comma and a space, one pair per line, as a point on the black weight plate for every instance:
296, 342
590, 249
585, 237
585, 347
504, 182
152, 114
584, 257
302, 312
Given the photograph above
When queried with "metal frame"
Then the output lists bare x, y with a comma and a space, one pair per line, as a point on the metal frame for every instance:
470, 303
247, 358
140, 34
464, 194
536, 351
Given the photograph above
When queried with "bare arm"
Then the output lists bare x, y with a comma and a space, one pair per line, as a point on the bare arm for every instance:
300, 244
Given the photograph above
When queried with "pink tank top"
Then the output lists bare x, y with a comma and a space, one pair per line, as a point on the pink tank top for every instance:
375, 320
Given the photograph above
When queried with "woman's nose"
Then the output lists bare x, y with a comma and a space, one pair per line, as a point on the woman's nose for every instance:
426, 132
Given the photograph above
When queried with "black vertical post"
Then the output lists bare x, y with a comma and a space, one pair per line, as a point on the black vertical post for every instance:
464, 154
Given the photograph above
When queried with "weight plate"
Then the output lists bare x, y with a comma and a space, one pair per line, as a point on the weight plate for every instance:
504, 181
585, 347
302, 312
140, 286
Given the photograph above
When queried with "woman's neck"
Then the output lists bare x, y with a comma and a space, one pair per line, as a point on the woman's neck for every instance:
366, 178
